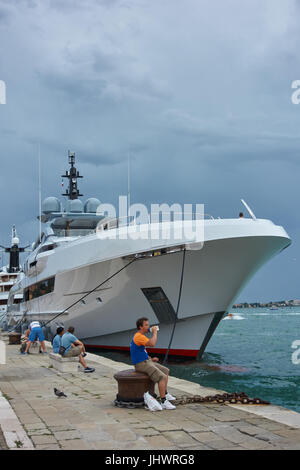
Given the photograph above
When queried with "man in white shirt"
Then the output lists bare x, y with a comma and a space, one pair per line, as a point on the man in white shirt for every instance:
36, 332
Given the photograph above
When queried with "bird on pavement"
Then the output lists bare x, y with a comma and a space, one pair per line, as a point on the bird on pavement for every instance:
59, 394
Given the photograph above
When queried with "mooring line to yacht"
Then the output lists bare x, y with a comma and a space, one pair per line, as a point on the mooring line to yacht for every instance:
177, 309
91, 291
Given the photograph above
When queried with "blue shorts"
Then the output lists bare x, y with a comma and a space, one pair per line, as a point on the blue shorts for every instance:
36, 333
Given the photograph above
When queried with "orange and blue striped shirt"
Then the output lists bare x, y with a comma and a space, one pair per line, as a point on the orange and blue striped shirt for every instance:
138, 351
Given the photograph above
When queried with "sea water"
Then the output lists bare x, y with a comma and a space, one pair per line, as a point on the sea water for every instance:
253, 354
250, 353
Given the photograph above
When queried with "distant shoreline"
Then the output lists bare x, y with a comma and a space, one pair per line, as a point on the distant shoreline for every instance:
278, 304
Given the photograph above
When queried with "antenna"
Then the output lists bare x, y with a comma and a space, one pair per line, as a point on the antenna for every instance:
40, 194
72, 192
128, 184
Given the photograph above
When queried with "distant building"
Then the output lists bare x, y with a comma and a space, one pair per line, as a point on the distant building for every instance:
278, 303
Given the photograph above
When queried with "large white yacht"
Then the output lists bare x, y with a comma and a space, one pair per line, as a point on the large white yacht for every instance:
85, 272
9, 274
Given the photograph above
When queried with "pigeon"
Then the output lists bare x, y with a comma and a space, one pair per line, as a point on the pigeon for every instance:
59, 394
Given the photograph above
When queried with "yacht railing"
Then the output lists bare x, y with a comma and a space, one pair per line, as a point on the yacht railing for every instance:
108, 223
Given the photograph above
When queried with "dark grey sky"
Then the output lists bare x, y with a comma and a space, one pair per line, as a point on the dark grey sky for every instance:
198, 92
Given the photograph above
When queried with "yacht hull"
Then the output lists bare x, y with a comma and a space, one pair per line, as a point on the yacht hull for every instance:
213, 277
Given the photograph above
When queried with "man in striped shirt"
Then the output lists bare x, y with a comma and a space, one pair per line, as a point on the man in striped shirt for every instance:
143, 363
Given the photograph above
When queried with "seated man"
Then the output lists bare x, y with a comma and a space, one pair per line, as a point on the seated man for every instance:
57, 339
74, 347
143, 363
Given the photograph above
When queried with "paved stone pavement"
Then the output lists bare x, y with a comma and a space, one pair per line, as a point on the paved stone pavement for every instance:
87, 418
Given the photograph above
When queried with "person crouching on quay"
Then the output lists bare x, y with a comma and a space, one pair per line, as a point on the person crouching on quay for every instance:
143, 363
36, 332
25, 340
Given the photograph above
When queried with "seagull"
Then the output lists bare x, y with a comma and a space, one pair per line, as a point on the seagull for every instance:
59, 394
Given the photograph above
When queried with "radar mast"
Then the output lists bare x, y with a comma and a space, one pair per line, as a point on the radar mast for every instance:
72, 192
14, 251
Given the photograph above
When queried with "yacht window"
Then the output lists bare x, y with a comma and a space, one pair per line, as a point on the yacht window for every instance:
47, 248
76, 227
73, 232
40, 288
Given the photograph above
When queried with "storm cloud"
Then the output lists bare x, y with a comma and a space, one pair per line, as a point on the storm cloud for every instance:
196, 92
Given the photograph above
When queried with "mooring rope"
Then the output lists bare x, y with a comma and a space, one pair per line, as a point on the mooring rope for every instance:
90, 292
177, 309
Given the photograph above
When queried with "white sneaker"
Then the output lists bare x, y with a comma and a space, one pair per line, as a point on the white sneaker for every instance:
170, 397
166, 405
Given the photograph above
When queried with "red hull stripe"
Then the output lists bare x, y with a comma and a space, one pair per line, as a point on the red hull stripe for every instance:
172, 352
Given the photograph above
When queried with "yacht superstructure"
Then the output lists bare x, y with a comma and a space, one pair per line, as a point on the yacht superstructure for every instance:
86, 271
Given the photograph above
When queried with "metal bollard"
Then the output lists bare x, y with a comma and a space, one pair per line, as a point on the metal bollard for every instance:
14, 338
131, 387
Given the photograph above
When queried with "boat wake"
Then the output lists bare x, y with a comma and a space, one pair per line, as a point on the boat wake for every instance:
230, 316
